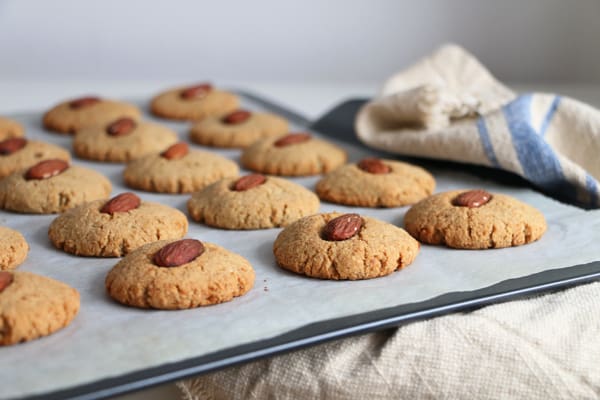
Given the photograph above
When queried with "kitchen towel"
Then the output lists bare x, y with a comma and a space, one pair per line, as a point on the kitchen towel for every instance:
448, 106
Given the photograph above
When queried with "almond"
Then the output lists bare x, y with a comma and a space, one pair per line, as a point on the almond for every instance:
176, 151
292, 138
6, 279
178, 253
248, 182
472, 198
12, 145
196, 92
46, 169
236, 117
83, 102
343, 227
374, 166
121, 127
121, 203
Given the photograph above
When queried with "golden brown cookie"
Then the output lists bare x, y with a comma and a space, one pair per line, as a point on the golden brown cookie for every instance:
343, 246
238, 129
193, 102
13, 248
376, 183
474, 219
70, 116
178, 170
32, 306
214, 276
115, 227
10, 129
19, 153
252, 202
51, 186
297, 154
122, 140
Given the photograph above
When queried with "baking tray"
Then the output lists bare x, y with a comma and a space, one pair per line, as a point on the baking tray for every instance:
75, 363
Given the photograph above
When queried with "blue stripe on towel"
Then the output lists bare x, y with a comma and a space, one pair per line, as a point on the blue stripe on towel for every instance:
549, 115
539, 162
486, 142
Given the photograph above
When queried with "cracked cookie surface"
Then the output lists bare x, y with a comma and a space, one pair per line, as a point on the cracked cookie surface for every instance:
72, 187
33, 306
94, 143
85, 231
350, 185
502, 222
13, 248
32, 153
216, 276
276, 202
171, 105
192, 172
378, 249
312, 157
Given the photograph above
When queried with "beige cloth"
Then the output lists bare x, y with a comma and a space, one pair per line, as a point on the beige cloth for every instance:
542, 348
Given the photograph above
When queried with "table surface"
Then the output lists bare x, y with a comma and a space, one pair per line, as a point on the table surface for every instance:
310, 99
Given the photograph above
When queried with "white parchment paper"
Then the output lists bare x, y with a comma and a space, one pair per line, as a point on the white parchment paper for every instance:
107, 339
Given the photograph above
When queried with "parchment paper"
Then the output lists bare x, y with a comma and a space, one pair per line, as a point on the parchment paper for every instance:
107, 339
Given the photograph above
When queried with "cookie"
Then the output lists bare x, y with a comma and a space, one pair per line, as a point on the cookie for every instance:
32, 306
115, 227
474, 219
298, 154
343, 246
10, 129
122, 140
13, 248
19, 153
374, 182
193, 102
252, 202
238, 129
70, 116
178, 170
179, 274
51, 186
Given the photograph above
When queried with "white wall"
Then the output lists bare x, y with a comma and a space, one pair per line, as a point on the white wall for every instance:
310, 40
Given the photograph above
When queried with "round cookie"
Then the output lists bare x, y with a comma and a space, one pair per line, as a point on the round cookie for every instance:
233, 204
104, 143
468, 220
238, 129
297, 154
394, 184
193, 103
10, 129
215, 276
32, 306
17, 158
13, 248
185, 173
56, 193
375, 249
70, 116
91, 229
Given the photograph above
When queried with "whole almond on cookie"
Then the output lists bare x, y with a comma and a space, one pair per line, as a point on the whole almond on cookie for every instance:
178, 253
196, 92
121, 127
472, 198
83, 102
176, 151
248, 182
236, 117
46, 169
121, 203
12, 145
373, 166
292, 138
6, 279
343, 227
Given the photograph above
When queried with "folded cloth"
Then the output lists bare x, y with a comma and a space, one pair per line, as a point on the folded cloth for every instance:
542, 348
448, 106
